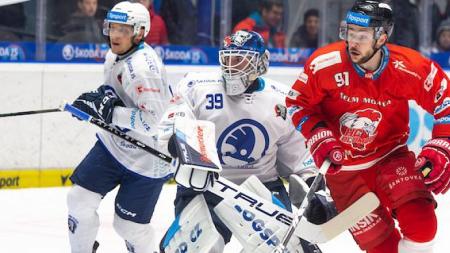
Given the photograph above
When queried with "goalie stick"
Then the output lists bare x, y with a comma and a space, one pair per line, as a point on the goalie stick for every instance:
228, 190
301, 210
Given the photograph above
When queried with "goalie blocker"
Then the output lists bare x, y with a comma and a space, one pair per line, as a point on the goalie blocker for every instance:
196, 162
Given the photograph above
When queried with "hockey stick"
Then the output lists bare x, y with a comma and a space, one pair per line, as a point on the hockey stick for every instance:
29, 112
228, 190
103, 125
322, 171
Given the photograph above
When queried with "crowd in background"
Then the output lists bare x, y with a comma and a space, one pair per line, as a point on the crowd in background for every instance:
181, 22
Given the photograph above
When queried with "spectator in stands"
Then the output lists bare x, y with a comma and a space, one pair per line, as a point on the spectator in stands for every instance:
181, 20
307, 35
442, 37
12, 22
406, 14
266, 22
82, 26
241, 9
158, 31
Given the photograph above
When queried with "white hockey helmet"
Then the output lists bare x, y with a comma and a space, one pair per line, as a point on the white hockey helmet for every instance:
133, 14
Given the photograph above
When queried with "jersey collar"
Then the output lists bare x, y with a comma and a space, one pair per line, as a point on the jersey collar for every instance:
375, 74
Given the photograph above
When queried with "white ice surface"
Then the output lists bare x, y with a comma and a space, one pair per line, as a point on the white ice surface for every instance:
34, 221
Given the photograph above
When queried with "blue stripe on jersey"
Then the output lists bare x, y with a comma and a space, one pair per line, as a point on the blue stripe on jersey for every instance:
173, 229
384, 61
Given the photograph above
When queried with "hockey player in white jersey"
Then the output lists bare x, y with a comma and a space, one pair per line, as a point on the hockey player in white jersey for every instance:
253, 134
134, 85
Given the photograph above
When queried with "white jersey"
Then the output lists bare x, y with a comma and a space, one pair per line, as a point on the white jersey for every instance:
253, 134
139, 80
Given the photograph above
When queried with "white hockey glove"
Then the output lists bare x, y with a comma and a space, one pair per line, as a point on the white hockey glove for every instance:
193, 147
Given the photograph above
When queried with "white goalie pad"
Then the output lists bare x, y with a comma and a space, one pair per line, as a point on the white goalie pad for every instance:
255, 231
193, 230
197, 156
260, 225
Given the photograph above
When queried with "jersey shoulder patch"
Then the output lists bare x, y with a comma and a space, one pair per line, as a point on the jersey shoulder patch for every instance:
325, 60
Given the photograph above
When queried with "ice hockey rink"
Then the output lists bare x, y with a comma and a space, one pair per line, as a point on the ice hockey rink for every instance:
34, 221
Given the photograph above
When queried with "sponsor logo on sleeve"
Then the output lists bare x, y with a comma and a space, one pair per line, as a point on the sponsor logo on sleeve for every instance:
293, 94
303, 77
441, 90
325, 60
440, 108
428, 83
443, 120
141, 89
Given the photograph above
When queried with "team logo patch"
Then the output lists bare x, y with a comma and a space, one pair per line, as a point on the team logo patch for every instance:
280, 111
242, 143
358, 129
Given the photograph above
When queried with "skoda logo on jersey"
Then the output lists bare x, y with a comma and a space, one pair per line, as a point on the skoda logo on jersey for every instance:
243, 142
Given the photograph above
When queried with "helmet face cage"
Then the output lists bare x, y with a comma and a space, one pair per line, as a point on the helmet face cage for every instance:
242, 58
239, 63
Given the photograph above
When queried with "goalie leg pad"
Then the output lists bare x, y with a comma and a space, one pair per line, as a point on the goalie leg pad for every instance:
139, 238
272, 191
193, 230
184, 197
83, 218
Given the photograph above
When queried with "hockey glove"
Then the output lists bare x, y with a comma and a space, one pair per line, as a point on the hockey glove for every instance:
323, 145
434, 162
99, 103
196, 162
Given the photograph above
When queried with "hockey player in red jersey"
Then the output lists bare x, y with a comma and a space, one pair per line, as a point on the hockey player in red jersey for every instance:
351, 103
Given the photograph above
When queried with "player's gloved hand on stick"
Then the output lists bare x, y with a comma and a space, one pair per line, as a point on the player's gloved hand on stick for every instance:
434, 162
323, 145
99, 103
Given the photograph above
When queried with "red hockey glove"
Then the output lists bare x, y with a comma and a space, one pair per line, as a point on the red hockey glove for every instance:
434, 162
323, 145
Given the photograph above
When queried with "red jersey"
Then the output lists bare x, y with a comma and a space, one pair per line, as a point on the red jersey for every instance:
368, 112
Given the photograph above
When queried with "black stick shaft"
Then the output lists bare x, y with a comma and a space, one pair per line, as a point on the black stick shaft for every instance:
29, 112
103, 125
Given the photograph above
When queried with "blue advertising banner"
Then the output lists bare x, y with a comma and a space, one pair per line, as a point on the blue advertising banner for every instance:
443, 59
17, 52
177, 55
76, 52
